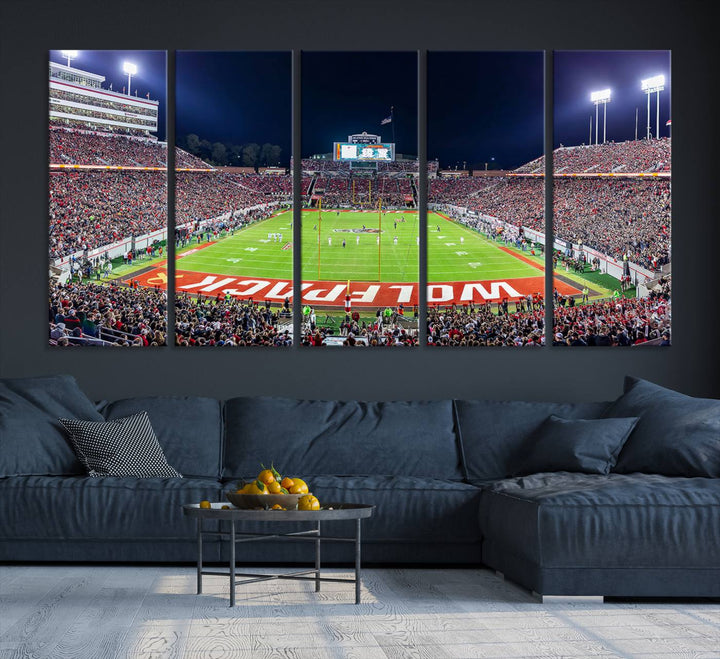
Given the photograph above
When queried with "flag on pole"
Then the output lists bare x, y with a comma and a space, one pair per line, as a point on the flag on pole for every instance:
668, 122
386, 120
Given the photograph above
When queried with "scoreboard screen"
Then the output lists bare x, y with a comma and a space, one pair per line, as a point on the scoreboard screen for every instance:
364, 152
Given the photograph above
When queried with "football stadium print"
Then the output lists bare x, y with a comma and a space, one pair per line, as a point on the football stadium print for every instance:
107, 197
233, 214
361, 217
479, 208
360, 230
611, 215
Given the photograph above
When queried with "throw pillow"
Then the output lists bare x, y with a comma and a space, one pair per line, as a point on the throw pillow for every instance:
32, 441
677, 435
589, 446
121, 447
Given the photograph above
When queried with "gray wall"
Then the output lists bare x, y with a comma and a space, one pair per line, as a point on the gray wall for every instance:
29, 29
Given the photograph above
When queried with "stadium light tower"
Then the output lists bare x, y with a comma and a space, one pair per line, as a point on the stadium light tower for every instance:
70, 55
650, 85
131, 70
602, 96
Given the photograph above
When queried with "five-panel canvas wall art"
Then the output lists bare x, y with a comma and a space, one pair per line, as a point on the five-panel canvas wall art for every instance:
497, 212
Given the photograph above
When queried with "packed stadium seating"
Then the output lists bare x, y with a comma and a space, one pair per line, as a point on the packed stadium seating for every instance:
619, 322
93, 208
620, 157
90, 314
226, 322
89, 209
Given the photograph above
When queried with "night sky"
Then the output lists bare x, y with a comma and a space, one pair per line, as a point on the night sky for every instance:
352, 92
577, 73
485, 106
235, 97
109, 63
481, 105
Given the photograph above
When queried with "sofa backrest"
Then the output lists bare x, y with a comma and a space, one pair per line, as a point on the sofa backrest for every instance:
493, 434
313, 437
189, 429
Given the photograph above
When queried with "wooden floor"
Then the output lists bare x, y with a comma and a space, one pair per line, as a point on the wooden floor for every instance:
96, 612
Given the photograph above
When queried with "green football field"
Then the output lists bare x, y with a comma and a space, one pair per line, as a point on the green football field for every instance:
455, 253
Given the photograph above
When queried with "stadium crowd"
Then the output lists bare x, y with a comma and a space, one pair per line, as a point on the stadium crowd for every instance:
90, 314
226, 321
84, 147
618, 321
482, 326
89, 209
622, 157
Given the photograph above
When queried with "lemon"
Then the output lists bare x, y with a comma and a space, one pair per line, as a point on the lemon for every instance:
205, 504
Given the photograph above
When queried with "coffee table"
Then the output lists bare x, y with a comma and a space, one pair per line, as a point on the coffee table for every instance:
329, 513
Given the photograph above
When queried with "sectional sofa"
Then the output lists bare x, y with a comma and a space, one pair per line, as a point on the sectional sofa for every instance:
616, 498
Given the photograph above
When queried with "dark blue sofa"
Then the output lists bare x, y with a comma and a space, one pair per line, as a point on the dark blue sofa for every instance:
442, 475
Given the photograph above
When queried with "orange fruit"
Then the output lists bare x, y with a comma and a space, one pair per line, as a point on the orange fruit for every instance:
277, 506
205, 504
287, 482
299, 487
274, 487
266, 476
225, 507
308, 502
256, 487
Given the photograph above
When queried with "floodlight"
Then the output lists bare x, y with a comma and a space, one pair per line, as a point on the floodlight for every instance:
131, 70
603, 96
650, 85
69, 54
656, 83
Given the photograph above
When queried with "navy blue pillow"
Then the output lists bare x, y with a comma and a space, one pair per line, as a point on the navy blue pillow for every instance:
32, 441
589, 446
677, 435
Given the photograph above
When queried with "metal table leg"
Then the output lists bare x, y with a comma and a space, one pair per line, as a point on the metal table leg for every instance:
200, 556
357, 561
317, 560
232, 562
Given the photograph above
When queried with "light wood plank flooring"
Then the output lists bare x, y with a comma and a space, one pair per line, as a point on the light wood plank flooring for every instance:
95, 612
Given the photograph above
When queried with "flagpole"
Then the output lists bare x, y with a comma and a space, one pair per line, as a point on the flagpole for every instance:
392, 121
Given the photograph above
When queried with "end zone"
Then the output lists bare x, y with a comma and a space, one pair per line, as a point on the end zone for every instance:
329, 293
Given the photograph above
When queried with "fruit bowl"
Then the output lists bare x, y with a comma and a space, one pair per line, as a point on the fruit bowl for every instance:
250, 501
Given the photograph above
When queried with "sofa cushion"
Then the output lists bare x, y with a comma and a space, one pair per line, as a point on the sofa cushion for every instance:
189, 429
102, 509
312, 437
580, 445
493, 434
32, 440
121, 447
568, 520
677, 435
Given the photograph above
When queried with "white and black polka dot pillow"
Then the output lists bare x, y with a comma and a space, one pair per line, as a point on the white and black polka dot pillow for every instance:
121, 447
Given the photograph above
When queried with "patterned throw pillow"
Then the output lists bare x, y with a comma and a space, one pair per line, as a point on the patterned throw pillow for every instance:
121, 447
